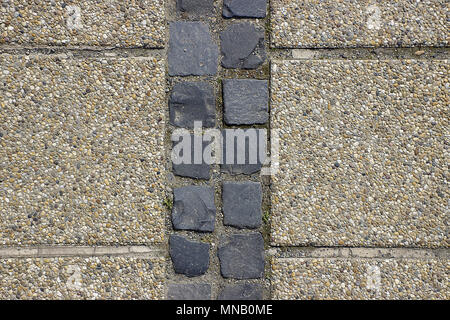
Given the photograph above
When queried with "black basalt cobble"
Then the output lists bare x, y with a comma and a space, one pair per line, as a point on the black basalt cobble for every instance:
194, 209
191, 50
242, 46
245, 101
244, 291
242, 204
244, 8
251, 151
189, 168
189, 257
196, 8
194, 291
241, 256
192, 101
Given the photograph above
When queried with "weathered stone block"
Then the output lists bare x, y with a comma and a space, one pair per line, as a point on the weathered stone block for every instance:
190, 258
242, 204
194, 208
192, 51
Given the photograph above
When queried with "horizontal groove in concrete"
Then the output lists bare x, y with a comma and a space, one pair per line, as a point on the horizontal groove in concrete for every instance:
82, 251
90, 48
274, 53
359, 253
422, 53
83, 52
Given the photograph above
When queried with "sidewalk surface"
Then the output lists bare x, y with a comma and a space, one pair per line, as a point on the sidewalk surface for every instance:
354, 93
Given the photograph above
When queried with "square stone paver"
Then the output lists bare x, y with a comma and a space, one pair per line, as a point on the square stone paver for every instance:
242, 204
194, 208
241, 256
196, 8
190, 102
244, 291
360, 279
244, 150
82, 278
246, 101
82, 150
190, 258
186, 166
358, 23
192, 51
363, 153
242, 46
114, 23
189, 291
244, 8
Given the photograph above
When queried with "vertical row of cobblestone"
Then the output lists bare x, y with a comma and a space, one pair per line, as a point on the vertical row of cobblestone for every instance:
216, 63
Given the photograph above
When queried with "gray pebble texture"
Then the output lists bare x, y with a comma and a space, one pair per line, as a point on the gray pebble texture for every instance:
360, 279
82, 152
78, 278
358, 23
366, 162
84, 23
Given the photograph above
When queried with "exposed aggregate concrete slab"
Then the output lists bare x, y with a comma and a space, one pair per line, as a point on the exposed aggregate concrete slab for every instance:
115, 23
363, 153
82, 278
295, 279
358, 23
82, 151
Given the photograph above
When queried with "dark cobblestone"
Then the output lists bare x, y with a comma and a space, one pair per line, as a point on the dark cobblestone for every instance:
242, 46
194, 291
194, 208
244, 8
245, 101
192, 101
191, 50
242, 204
252, 146
244, 291
241, 256
189, 257
196, 8
192, 170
